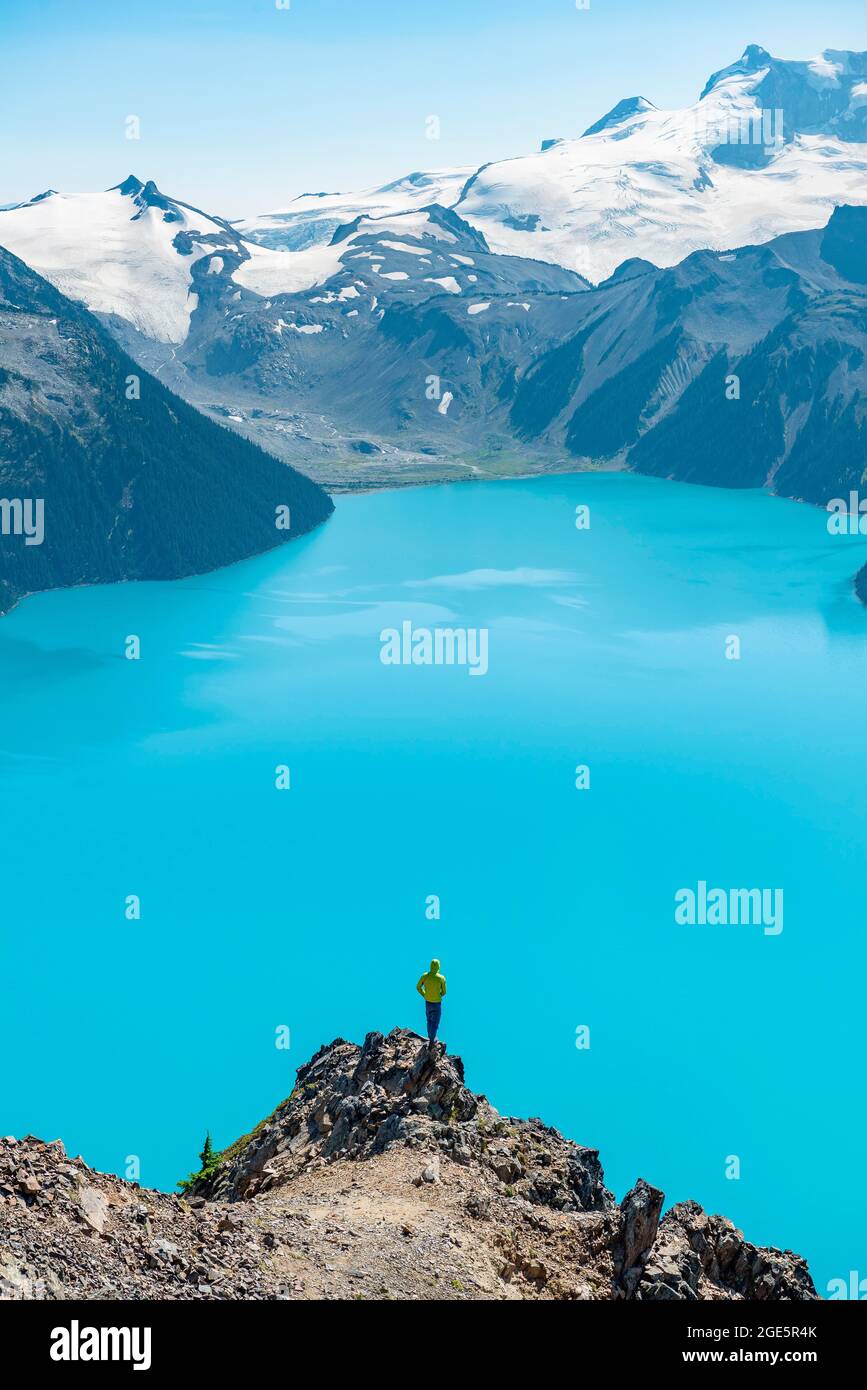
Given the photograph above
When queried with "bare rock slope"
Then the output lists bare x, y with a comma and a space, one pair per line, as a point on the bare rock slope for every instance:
381, 1176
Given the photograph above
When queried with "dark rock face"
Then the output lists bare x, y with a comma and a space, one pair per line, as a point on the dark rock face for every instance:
640, 1211
844, 244
700, 1256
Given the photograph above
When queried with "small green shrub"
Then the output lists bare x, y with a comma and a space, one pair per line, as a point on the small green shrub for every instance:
210, 1160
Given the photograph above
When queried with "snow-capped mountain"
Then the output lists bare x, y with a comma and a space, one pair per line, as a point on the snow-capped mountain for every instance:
336, 378
313, 218
426, 355
132, 253
736, 368
407, 349
156, 265
432, 341
770, 146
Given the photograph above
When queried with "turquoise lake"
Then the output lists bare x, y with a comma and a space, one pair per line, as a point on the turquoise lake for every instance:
305, 908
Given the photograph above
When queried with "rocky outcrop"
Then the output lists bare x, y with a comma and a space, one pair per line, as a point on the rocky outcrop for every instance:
352, 1102
639, 1213
382, 1176
699, 1256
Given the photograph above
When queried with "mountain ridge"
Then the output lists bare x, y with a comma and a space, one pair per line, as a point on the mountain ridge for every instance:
664, 181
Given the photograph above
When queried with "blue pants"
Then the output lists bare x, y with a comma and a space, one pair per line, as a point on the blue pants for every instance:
433, 1012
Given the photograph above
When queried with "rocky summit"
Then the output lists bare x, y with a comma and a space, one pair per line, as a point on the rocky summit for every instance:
382, 1176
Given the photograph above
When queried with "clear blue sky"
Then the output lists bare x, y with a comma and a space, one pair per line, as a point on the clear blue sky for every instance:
243, 105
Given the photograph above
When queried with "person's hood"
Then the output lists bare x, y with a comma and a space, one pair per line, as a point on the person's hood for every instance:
434, 967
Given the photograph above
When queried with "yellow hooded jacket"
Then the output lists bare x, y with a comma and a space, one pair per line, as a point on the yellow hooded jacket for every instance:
432, 986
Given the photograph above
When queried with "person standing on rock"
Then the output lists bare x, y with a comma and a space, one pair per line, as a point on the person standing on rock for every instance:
432, 988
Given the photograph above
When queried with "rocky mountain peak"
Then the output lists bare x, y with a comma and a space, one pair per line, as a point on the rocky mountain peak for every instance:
131, 187
625, 110
393, 1103
753, 59
755, 56
354, 1102
382, 1175
146, 195
822, 95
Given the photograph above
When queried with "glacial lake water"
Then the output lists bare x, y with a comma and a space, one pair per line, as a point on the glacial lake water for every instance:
264, 909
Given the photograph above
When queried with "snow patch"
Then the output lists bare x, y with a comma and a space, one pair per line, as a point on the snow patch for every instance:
403, 246
287, 272
447, 282
827, 72
280, 325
